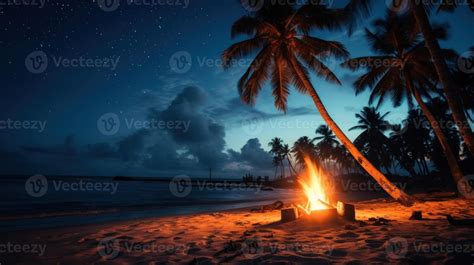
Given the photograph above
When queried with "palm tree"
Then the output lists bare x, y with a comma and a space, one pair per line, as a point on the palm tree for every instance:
326, 146
414, 140
302, 148
372, 140
439, 108
285, 55
466, 90
419, 11
286, 153
404, 71
449, 85
276, 146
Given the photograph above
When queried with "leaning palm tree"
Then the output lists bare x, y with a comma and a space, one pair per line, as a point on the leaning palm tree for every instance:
419, 11
285, 53
401, 70
449, 85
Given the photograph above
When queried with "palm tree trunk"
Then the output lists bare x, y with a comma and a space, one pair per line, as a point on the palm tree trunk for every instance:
456, 172
445, 77
388, 186
291, 166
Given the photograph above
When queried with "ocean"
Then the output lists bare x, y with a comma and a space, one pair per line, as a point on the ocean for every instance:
48, 202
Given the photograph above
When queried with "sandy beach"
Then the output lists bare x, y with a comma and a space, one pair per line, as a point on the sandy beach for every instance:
382, 234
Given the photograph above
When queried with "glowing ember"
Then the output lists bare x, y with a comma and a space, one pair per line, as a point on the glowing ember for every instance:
314, 188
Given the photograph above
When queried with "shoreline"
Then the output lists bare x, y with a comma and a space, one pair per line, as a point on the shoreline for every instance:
213, 237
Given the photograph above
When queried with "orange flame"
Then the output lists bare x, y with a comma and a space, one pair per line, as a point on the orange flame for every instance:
314, 188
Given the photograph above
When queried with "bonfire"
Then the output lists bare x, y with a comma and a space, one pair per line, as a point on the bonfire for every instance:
316, 188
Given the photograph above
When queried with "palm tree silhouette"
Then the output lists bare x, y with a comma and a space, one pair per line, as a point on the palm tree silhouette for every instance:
449, 85
401, 70
375, 143
418, 11
414, 141
325, 148
285, 55
276, 145
303, 147
372, 140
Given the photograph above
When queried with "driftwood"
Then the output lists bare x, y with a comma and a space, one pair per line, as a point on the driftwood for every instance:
464, 222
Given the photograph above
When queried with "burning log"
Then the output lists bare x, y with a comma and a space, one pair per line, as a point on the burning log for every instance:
347, 211
289, 214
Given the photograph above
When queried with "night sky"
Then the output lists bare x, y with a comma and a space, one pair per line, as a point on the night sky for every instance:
104, 66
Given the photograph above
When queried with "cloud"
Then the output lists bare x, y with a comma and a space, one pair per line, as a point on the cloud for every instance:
252, 155
193, 148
